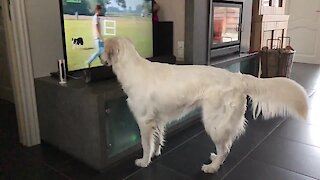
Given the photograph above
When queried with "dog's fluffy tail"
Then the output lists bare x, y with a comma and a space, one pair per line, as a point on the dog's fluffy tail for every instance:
276, 97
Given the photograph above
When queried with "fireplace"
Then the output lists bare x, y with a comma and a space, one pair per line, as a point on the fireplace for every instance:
217, 32
224, 28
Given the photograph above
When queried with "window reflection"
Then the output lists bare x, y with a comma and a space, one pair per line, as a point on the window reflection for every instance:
226, 22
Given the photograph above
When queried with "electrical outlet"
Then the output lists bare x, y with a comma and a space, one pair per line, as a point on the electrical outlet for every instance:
180, 44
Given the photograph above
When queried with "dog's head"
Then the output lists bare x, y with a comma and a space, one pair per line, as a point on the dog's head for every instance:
116, 49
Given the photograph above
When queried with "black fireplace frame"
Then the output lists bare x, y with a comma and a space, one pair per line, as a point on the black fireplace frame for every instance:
197, 47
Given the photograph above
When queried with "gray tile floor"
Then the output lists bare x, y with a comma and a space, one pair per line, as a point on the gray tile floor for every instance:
280, 148
307, 75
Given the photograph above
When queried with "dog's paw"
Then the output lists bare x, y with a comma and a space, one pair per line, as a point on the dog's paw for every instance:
158, 152
207, 168
212, 156
141, 163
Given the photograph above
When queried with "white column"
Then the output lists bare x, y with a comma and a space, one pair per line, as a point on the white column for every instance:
21, 71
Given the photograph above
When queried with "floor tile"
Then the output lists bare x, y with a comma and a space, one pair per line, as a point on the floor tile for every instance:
314, 116
157, 172
314, 113
252, 169
306, 74
301, 158
28, 169
48, 154
299, 131
79, 171
314, 100
188, 158
181, 137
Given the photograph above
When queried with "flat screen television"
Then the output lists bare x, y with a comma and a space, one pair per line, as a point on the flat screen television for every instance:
127, 18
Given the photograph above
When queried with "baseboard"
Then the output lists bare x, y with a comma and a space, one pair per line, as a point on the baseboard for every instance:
6, 94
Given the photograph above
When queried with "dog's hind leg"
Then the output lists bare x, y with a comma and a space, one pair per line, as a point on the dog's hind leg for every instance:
223, 150
147, 130
223, 125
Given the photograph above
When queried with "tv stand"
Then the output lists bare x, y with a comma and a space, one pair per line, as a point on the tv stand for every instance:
91, 121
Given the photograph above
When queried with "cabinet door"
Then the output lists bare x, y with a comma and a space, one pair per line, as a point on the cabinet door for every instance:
278, 34
304, 30
266, 36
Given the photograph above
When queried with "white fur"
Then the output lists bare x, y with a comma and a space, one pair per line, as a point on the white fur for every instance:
160, 93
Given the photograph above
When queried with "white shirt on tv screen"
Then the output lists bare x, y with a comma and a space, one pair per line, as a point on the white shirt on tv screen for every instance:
95, 22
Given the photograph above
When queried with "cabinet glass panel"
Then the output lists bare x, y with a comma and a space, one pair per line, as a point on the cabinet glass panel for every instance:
122, 130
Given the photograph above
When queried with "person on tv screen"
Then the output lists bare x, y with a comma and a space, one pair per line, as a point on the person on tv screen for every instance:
155, 10
96, 35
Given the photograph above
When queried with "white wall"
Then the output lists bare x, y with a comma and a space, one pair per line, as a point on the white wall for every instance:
174, 10
44, 27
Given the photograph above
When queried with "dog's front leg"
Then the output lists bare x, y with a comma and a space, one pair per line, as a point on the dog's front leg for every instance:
159, 139
147, 142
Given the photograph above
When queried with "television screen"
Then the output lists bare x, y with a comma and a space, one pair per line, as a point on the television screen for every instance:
88, 23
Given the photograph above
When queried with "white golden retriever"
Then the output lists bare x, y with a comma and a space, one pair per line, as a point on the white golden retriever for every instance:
160, 93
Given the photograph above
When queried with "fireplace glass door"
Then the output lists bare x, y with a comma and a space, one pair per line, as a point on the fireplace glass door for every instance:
226, 24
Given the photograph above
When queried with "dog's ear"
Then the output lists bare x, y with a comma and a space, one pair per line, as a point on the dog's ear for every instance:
112, 49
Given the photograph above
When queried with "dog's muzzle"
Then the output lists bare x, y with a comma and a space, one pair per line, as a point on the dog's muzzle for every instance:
104, 61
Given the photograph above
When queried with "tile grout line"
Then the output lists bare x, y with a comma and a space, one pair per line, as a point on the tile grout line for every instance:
57, 171
170, 169
236, 165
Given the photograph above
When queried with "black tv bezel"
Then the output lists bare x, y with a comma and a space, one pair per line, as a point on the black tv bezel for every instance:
224, 4
63, 35
64, 40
